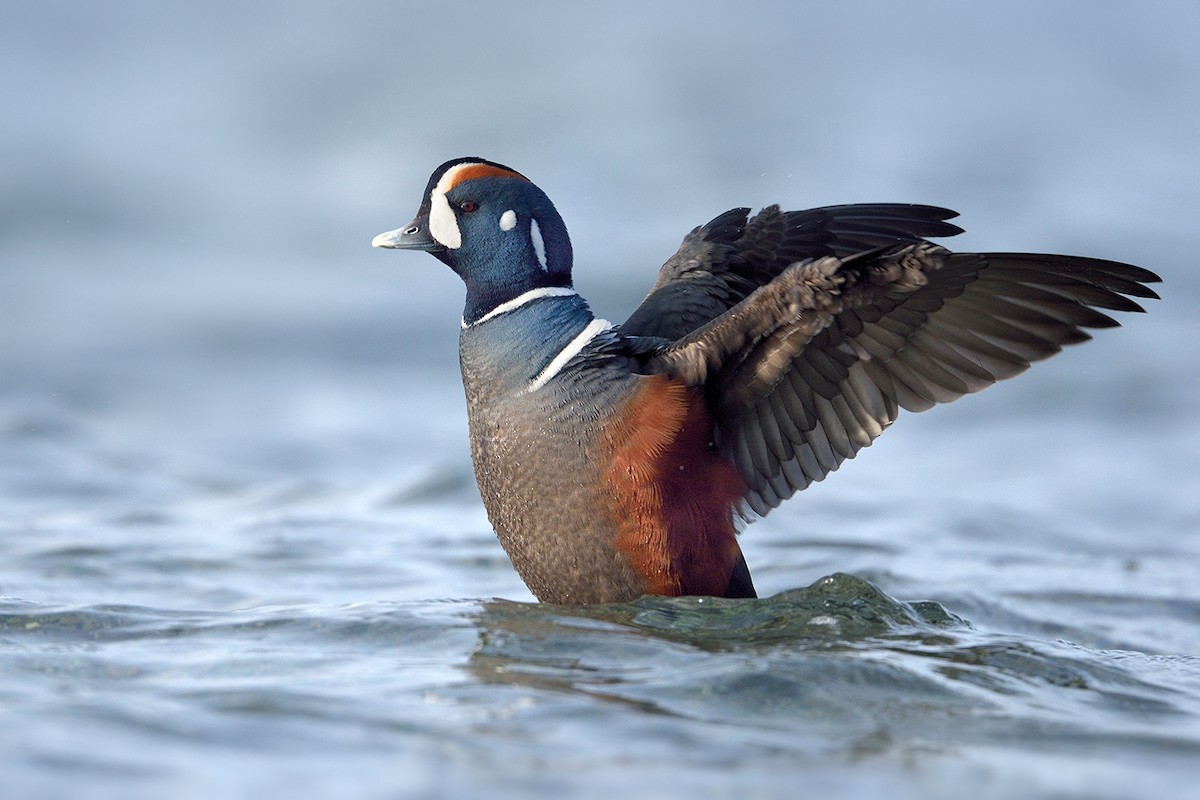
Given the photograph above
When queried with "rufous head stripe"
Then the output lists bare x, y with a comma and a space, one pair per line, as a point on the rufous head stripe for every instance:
470, 171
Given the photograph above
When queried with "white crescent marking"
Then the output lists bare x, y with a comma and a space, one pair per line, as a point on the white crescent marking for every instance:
443, 225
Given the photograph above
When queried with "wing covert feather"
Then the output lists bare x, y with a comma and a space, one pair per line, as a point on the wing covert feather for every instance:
812, 366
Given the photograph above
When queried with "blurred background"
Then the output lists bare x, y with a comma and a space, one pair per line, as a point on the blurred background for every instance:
215, 395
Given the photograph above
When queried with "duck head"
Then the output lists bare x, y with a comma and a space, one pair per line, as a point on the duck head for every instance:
493, 227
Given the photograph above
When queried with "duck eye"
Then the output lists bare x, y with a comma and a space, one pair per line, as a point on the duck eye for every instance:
467, 206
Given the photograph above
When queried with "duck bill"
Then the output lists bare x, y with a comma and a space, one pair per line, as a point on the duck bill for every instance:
413, 236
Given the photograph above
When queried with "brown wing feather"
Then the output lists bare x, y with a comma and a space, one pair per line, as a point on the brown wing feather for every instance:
814, 365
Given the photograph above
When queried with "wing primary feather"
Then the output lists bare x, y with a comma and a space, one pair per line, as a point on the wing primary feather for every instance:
810, 330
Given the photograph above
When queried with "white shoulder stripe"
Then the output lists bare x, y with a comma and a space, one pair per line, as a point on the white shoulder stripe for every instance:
520, 300
593, 329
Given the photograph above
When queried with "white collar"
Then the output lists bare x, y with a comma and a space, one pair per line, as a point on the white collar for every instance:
520, 300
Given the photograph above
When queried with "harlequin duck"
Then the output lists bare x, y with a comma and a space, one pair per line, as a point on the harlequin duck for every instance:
617, 460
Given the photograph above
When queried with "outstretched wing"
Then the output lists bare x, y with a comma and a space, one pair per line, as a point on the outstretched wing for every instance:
721, 263
812, 367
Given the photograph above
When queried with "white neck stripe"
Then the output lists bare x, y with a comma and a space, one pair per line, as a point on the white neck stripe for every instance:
593, 329
520, 300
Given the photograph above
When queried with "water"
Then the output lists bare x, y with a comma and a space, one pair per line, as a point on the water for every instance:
240, 546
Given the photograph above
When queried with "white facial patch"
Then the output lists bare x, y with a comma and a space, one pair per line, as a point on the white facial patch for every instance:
539, 246
508, 220
443, 225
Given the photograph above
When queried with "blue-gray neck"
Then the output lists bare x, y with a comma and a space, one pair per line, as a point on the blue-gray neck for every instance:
514, 345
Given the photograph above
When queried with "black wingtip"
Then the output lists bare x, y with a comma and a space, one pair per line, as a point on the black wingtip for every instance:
725, 227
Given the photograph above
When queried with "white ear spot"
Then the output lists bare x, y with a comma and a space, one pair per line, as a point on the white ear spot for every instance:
443, 225
539, 246
508, 220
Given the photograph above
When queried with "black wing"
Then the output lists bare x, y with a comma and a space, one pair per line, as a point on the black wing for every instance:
721, 263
